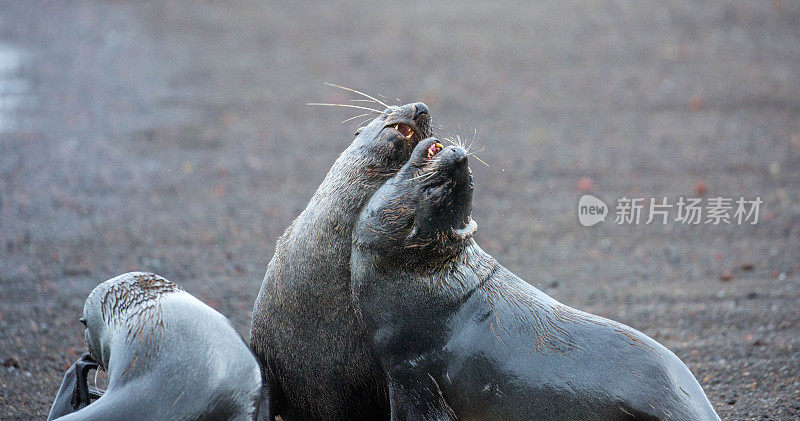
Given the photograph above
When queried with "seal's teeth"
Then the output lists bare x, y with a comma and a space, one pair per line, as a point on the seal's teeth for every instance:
404, 130
434, 149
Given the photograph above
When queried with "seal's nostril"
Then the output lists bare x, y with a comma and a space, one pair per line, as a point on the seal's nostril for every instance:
460, 155
419, 110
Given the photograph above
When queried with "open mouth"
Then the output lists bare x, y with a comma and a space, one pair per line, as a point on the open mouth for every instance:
435, 148
406, 131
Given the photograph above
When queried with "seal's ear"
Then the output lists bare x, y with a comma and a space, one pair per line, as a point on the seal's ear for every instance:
358, 131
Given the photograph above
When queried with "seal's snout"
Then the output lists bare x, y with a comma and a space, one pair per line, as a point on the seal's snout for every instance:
459, 155
411, 121
452, 157
420, 110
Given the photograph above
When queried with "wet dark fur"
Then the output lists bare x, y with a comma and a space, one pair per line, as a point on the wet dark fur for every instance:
460, 336
315, 358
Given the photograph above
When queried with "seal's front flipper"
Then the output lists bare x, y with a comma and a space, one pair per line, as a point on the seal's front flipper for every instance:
419, 400
75, 392
82, 396
62, 405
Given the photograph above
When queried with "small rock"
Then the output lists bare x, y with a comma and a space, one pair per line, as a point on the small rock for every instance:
775, 168
187, 167
747, 267
731, 401
585, 184
696, 103
726, 276
11, 362
76, 270
700, 187
752, 295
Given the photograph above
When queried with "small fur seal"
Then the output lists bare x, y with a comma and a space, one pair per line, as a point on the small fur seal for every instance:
316, 359
168, 357
461, 337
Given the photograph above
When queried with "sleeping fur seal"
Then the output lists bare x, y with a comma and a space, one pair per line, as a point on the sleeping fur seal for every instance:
168, 357
461, 337
316, 360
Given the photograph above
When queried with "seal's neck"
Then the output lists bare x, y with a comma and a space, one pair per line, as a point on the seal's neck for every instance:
131, 349
347, 187
466, 271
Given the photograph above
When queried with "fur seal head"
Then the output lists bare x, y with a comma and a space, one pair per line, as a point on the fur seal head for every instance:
128, 304
422, 215
387, 141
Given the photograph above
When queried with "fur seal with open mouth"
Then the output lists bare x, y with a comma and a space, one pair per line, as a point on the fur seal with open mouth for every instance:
316, 360
461, 337
168, 356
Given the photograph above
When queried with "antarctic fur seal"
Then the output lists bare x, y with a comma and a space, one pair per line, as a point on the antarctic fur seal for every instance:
168, 357
461, 337
315, 358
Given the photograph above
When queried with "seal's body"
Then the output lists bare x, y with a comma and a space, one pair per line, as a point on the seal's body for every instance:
168, 356
461, 337
316, 360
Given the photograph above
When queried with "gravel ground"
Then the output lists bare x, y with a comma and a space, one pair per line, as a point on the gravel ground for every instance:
175, 138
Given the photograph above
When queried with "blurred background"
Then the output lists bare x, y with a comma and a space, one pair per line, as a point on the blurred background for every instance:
176, 138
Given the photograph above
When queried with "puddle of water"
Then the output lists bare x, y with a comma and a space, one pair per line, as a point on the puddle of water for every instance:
16, 96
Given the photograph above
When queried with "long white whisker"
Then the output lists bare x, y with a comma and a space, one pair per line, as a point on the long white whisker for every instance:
478, 151
472, 142
481, 161
427, 172
357, 92
368, 119
422, 177
355, 117
344, 105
